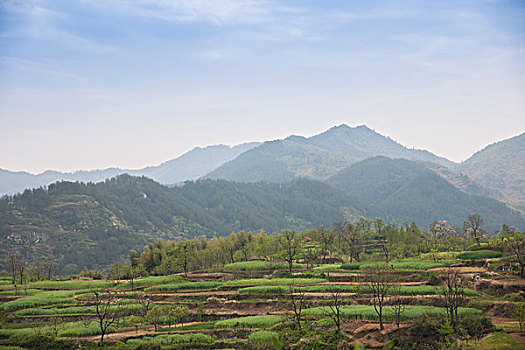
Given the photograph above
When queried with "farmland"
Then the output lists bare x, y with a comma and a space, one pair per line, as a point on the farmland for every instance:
254, 303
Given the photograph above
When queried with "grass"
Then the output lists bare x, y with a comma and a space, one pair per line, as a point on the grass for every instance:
191, 327
367, 312
71, 284
184, 286
22, 292
328, 268
401, 264
73, 310
37, 300
259, 321
403, 290
275, 281
263, 337
153, 281
256, 265
496, 341
480, 254
172, 339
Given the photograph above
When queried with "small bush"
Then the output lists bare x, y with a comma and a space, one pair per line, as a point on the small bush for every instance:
480, 254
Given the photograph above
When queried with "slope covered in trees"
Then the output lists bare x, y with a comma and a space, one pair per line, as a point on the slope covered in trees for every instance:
404, 190
317, 157
90, 224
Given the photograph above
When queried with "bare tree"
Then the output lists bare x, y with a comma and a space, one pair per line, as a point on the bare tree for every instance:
515, 245
398, 306
381, 281
107, 310
334, 309
14, 261
298, 303
453, 294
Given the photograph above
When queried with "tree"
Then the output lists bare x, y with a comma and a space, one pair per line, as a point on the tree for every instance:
453, 294
107, 311
326, 238
290, 245
518, 312
333, 310
298, 303
182, 254
381, 281
398, 307
14, 261
474, 226
515, 245
155, 315
351, 239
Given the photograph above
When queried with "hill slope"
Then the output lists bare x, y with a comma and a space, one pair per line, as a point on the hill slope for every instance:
500, 166
406, 190
317, 157
189, 166
92, 224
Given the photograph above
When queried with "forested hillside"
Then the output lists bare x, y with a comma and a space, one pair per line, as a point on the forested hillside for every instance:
317, 157
405, 190
91, 224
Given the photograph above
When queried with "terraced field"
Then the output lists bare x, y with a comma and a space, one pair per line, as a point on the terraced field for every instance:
240, 306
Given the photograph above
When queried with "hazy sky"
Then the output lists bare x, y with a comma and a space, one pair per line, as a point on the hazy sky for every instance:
88, 84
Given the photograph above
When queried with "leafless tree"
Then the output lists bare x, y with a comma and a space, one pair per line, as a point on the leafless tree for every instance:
334, 309
381, 282
298, 303
398, 306
351, 239
107, 310
474, 226
453, 294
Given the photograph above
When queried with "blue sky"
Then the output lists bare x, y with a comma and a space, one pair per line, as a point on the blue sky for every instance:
88, 84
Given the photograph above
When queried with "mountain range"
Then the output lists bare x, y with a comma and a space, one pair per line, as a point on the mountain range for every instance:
189, 166
342, 174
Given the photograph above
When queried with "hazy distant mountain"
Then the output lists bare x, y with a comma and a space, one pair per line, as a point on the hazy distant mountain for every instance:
317, 157
194, 164
190, 166
405, 190
500, 166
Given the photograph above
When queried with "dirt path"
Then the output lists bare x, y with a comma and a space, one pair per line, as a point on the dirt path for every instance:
518, 337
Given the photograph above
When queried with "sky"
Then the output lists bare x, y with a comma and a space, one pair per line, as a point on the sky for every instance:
91, 84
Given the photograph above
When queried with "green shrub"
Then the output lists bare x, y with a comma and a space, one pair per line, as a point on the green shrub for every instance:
40, 299
478, 246
480, 254
249, 322
21, 292
367, 312
263, 337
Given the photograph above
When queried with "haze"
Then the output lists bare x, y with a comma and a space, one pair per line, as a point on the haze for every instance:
95, 84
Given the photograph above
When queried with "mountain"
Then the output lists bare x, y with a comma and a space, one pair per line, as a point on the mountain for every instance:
92, 224
190, 166
316, 157
405, 190
500, 166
